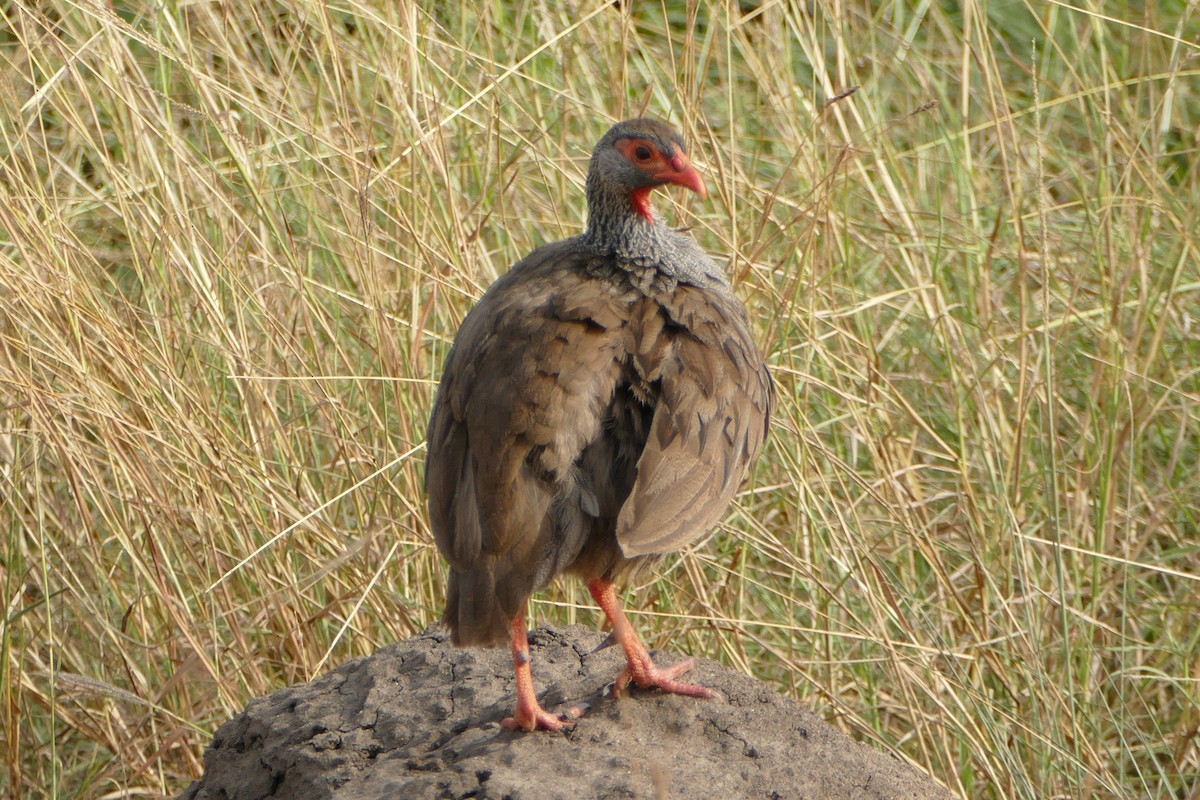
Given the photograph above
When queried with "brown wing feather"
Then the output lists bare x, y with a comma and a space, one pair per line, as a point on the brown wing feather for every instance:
710, 421
524, 391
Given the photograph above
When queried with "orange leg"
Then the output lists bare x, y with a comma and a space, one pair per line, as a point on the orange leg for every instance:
530, 716
641, 670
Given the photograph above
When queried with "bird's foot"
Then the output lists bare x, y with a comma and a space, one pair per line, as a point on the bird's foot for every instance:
538, 719
647, 675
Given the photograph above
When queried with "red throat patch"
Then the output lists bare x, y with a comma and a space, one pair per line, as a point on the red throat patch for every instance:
641, 203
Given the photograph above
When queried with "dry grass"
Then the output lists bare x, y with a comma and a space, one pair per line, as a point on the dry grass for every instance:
236, 239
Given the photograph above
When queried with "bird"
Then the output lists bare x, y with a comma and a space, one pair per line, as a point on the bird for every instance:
599, 408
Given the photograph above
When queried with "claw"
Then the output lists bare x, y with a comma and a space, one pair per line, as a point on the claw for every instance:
529, 715
642, 670
647, 675
538, 719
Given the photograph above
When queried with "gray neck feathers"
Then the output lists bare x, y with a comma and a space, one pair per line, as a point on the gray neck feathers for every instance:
643, 248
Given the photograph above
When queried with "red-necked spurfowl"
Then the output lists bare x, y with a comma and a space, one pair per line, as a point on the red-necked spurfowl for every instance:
599, 408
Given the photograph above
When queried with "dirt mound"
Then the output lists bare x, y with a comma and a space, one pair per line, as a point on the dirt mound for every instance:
421, 719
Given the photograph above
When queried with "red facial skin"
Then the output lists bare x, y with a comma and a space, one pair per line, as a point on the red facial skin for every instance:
677, 169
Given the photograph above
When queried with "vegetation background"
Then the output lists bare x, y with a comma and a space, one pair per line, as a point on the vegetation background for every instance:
237, 238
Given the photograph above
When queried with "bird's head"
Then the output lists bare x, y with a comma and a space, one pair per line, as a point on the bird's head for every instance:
634, 158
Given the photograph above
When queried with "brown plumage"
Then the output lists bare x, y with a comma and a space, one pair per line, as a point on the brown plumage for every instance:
600, 406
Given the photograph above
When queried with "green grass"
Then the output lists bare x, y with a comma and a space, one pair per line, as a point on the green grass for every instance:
236, 241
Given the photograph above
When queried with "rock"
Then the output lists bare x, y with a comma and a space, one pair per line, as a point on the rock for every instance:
421, 719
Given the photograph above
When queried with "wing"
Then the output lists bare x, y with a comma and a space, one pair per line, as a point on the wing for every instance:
710, 421
523, 393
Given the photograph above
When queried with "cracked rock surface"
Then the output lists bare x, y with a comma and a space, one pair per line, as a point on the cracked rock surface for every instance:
421, 719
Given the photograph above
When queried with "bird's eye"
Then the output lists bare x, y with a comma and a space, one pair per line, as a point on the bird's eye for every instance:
642, 153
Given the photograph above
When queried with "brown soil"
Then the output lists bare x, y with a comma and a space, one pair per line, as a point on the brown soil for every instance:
421, 719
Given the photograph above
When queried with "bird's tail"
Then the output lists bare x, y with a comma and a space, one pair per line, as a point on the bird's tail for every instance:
473, 611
